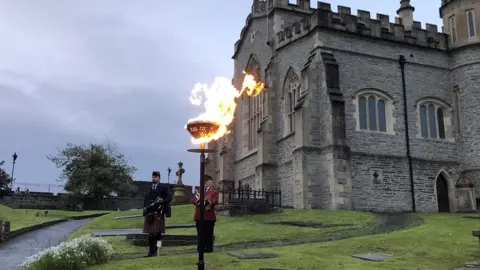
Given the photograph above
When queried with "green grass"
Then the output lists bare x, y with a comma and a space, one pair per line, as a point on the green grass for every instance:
180, 215
229, 230
20, 218
444, 241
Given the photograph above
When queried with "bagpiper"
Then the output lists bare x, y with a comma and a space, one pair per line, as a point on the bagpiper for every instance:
156, 202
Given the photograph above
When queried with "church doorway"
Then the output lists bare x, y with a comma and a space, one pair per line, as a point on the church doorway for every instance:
442, 194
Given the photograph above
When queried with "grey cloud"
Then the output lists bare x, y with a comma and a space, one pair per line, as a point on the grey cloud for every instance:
77, 71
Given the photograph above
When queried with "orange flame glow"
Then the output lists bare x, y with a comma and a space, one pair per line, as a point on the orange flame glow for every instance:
220, 103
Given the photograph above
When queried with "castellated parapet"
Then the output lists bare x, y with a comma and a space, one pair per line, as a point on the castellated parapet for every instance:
362, 24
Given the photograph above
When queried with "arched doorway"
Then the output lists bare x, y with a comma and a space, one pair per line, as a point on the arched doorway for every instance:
443, 201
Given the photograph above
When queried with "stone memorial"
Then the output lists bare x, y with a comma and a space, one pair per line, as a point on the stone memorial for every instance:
179, 190
252, 255
376, 257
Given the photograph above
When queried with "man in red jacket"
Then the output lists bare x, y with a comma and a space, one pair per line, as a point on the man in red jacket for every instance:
210, 217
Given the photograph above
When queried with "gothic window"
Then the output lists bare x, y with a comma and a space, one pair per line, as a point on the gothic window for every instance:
374, 112
471, 23
453, 29
432, 117
456, 108
256, 105
291, 90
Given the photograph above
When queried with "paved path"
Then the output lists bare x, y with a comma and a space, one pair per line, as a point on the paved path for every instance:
15, 251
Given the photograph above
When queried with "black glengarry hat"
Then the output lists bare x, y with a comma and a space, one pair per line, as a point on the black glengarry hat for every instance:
155, 173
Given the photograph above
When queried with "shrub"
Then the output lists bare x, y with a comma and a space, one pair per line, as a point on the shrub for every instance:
76, 254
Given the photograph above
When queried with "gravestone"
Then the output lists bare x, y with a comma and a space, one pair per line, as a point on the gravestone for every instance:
306, 224
252, 255
375, 257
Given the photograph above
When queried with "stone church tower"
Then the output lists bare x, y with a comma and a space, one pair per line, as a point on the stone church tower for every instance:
360, 113
461, 20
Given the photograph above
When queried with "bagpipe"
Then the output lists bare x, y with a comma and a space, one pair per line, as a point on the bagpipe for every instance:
208, 204
156, 207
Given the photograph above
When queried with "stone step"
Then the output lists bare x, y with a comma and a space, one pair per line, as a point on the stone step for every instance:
122, 232
168, 240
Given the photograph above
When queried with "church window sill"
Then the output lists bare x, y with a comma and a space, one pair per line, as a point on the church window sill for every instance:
447, 140
375, 132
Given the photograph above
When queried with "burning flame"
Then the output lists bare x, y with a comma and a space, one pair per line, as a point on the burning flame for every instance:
220, 103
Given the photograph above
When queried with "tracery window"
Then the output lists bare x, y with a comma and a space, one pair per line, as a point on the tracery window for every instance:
291, 88
432, 119
256, 106
374, 111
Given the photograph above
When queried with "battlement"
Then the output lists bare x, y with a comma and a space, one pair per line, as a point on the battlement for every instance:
362, 24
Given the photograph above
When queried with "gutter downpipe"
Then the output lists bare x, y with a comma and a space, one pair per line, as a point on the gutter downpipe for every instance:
402, 61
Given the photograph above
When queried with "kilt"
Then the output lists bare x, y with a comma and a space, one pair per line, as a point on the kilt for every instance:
158, 226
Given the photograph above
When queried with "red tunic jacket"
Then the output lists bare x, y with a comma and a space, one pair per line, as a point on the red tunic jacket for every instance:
210, 214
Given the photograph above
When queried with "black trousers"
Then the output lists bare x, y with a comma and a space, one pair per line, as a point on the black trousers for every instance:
208, 231
152, 243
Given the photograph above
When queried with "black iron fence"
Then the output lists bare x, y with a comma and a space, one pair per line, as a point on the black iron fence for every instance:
250, 197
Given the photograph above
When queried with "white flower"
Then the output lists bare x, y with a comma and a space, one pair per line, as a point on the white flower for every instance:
82, 251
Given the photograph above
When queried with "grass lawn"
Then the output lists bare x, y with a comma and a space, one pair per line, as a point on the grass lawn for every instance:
21, 218
444, 241
230, 230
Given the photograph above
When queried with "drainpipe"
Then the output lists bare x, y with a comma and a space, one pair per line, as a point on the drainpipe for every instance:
402, 61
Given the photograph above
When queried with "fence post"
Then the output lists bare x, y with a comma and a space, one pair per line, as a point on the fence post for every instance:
6, 226
241, 196
279, 198
2, 233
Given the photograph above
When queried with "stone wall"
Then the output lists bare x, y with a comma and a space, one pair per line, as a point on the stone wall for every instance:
68, 202
64, 201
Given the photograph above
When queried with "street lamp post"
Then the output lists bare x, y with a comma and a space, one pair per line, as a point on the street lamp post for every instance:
14, 156
201, 130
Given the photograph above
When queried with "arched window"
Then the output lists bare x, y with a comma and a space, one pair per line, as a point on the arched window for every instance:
374, 111
453, 29
256, 105
432, 115
291, 90
471, 23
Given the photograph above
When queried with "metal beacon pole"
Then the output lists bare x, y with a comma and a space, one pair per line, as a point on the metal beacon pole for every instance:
199, 130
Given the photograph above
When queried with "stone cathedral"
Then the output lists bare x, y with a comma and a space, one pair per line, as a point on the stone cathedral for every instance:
360, 113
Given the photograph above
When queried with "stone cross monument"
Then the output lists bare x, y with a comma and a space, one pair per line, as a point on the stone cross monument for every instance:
179, 190
179, 173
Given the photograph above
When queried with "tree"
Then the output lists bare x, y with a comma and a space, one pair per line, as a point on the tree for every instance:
97, 170
5, 180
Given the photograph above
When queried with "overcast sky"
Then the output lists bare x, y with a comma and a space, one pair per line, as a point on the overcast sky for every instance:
79, 70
